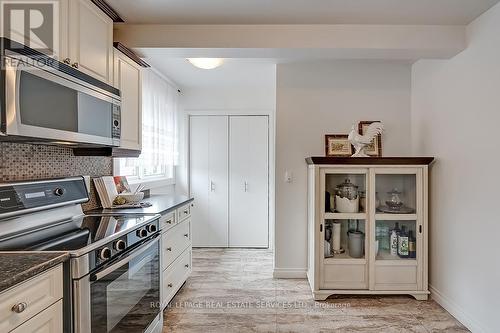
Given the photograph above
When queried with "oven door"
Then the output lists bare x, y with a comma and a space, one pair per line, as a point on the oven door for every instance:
51, 106
124, 296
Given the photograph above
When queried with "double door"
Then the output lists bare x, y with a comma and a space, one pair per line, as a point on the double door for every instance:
229, 179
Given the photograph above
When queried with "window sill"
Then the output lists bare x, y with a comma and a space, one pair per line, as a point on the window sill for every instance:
151, 183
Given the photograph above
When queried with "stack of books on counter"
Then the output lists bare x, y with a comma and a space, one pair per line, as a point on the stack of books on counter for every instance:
109, 188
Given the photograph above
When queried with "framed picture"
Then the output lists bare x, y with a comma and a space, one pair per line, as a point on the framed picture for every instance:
375, 148
337, 145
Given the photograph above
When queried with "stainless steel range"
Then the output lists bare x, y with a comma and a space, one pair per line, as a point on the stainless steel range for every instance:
112, 280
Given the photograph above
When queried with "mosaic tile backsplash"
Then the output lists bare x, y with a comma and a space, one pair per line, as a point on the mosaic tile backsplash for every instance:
28, 162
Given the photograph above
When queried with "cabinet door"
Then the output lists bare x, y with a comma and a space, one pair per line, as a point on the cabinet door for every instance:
59, 47
208, 180
49, 320
248, 178
91, 40
127, 78
397, 260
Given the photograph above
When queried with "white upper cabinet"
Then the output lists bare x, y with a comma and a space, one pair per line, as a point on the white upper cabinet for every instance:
128, 78
90, 40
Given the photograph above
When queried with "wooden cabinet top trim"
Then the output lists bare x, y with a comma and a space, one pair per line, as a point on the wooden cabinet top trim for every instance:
321, 160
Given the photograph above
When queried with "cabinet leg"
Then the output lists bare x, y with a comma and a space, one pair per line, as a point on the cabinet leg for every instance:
320, 297
420, 297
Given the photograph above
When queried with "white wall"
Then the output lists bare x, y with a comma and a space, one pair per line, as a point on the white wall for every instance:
318, 98
456, 117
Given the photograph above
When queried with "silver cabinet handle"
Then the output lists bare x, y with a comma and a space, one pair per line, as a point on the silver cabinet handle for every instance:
186, 212
67, 61
169, 249
19, 307
186, 235
75, 65
170, 285
246, 186
212, 186
169, 221
186, 265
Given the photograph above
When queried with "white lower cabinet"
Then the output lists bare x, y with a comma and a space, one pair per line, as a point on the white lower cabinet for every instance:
176, 251
47, 321
175, 275
367, 226
31, 306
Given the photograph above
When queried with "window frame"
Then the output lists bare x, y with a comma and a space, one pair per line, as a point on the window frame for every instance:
148, 182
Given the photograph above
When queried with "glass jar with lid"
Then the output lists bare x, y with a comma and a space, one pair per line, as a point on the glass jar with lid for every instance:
347, 190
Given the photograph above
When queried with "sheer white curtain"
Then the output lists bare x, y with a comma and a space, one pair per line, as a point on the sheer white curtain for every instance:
159, 129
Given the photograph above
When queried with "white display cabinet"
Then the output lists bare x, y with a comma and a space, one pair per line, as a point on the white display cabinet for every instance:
367, 226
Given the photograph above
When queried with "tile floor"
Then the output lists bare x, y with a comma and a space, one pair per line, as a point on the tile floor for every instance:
232, 290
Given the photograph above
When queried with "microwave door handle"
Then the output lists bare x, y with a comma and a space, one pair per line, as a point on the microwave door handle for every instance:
99, 275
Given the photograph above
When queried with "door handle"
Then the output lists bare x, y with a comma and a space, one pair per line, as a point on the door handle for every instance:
246, 186
212, 186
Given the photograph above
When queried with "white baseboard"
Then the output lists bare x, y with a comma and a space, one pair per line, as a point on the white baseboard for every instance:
287, 273
456, 311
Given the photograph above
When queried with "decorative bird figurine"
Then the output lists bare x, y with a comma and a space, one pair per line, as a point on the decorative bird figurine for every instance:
361, 141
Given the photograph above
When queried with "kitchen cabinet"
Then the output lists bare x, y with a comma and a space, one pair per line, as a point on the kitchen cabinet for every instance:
84, 38
209, 180
128, 78
34, 305
176, 251
248, 181
374, 241
90, 40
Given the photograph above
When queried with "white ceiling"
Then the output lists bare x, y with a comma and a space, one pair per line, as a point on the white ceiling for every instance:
439, 12
234, 72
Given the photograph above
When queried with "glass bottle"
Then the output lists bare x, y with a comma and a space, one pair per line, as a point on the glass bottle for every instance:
403, 243
412, 245
394, 242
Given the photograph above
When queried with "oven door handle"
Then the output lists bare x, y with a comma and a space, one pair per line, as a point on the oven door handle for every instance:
135, 253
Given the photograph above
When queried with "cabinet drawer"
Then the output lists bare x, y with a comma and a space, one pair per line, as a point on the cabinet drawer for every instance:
176, 275
175, 241
47, 321
37, 293
167, 221
183, 212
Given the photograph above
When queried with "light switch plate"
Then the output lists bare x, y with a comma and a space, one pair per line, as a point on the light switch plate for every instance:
288, 176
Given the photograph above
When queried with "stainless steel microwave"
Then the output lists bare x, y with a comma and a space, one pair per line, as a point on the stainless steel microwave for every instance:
45, 101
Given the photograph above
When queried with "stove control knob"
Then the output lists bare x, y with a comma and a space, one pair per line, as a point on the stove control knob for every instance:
105, 253
120, 245
151, 228
59, 191
142, 233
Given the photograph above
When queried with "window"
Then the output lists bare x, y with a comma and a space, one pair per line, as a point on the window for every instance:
159, 137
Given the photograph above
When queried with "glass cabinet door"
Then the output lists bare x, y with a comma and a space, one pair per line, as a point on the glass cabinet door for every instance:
397, 216
344, 228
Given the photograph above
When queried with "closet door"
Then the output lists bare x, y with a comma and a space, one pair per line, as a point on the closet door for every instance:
248, 179
209, 180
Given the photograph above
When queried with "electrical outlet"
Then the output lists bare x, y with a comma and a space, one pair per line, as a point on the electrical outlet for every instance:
288, 176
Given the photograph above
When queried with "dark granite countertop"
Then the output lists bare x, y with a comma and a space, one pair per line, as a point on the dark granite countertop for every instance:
16, 267
161, 204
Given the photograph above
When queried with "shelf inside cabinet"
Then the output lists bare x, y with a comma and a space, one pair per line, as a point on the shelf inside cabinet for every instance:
345, 216
386, 255
395, 217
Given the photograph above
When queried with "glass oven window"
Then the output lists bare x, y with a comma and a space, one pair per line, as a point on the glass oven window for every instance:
127, 299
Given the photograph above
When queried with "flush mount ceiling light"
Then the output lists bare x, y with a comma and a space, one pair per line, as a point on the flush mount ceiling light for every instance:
206, 63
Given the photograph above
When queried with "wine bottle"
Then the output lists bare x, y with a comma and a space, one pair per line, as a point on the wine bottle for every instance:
403, 246
412, 245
